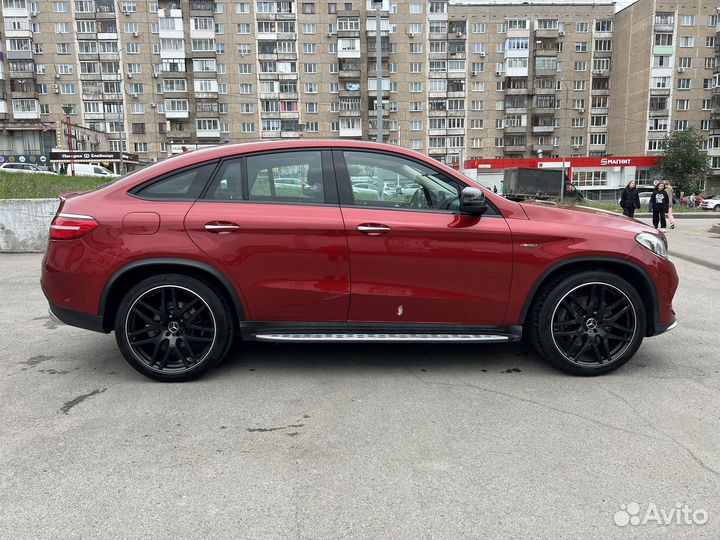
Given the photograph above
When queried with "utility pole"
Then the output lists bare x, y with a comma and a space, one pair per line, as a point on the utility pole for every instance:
378, 71
564, 143
67, 109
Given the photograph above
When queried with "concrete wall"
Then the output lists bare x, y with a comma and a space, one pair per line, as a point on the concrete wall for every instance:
24, 224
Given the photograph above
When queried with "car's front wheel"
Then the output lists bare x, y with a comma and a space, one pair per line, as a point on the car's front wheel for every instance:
173, 327
588, 323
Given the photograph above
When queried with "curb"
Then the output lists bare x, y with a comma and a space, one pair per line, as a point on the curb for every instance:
684, 215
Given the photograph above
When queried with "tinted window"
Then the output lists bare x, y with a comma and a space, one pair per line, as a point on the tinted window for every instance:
286, 176
227, 184
182, 185
381, 180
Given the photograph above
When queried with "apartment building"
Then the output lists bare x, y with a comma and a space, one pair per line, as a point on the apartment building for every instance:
665, 76
462, 79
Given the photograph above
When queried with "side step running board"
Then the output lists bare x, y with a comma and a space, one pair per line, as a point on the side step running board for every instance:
370, 337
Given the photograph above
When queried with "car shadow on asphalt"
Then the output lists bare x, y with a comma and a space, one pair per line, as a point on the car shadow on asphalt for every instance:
513, 358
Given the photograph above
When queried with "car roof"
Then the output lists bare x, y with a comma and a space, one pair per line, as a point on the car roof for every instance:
229, 150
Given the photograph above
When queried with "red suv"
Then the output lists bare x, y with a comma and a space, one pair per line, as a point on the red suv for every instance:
305, 241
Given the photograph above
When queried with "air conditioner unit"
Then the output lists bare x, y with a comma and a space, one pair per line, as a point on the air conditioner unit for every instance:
576, 146
482, 54
473, 74
133, 95
329, 34
410, 35
458, 34
153, 105
498, 73
681, 70
561, 33
597, 71
56, 88
581, 110
57, 75
156, 75
136, 34
129, 75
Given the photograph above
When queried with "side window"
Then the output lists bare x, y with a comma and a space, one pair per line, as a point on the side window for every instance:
386, 181
99, 170
286, 177
186, 184
227, 184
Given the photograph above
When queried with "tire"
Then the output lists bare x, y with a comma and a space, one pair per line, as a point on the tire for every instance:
588, 323
716, 208
173, 328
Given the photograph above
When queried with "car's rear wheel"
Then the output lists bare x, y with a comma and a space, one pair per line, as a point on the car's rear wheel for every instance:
588, 323
173, 327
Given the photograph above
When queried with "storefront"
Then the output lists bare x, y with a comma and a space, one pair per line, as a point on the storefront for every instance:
110, 160
599, 178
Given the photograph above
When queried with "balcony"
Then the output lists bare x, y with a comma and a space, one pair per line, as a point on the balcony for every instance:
515, 129
208, 134
177, 114
22, 74
546, 52
664, 28
653, 113
544, 109
351, 131
547, 33
516, 91
26, 54
543, 129
205, 7
515, 149
349, 74
659, 91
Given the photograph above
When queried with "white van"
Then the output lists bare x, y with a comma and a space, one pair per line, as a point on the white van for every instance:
89, 169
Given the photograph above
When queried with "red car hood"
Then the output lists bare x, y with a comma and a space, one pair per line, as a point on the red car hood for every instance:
581, 216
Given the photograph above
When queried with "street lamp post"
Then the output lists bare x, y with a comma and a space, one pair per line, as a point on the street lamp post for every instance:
378, 71
564, 144
67, 109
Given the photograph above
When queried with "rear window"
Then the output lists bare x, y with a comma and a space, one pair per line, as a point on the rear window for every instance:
183, 185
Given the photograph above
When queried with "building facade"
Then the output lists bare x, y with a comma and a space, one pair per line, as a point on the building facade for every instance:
462, 79
665, 76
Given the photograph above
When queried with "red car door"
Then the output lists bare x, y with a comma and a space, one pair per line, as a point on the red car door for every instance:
279, 233
413, 258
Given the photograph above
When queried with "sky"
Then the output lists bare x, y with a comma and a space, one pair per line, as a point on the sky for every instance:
622, 4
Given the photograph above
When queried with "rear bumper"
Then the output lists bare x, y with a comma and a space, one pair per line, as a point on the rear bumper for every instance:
77, 318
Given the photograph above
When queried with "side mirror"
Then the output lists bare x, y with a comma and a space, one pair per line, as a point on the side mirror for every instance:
472, 201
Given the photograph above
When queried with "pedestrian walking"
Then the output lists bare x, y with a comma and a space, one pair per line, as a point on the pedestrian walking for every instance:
660, 204
671, 196
630, 199
691, 201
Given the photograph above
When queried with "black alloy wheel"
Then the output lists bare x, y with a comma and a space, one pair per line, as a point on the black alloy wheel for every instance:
173, 327
593, 324
588, 322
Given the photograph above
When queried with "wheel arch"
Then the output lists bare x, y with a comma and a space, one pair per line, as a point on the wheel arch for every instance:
131, 273
627, 270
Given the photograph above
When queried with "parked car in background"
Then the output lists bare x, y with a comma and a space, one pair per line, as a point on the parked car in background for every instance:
698, 201
181, 257
23, 168
712, 203
89, 169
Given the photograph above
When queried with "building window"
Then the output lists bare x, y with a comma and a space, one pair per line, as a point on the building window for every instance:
683, 84
687, 41
687, 20
682, 104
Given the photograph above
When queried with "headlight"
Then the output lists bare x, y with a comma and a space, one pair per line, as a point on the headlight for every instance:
653, 243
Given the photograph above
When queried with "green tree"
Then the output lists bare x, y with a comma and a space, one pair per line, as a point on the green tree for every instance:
683, 163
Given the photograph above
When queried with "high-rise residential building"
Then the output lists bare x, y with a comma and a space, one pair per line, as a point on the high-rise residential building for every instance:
462, 79
665, 76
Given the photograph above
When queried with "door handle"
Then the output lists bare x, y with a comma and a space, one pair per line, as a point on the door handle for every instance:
373, 229
221, 227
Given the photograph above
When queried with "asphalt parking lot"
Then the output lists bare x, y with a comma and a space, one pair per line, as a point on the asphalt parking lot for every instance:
371, 441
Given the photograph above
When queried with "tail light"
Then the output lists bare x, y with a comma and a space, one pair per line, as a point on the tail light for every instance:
71, 226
